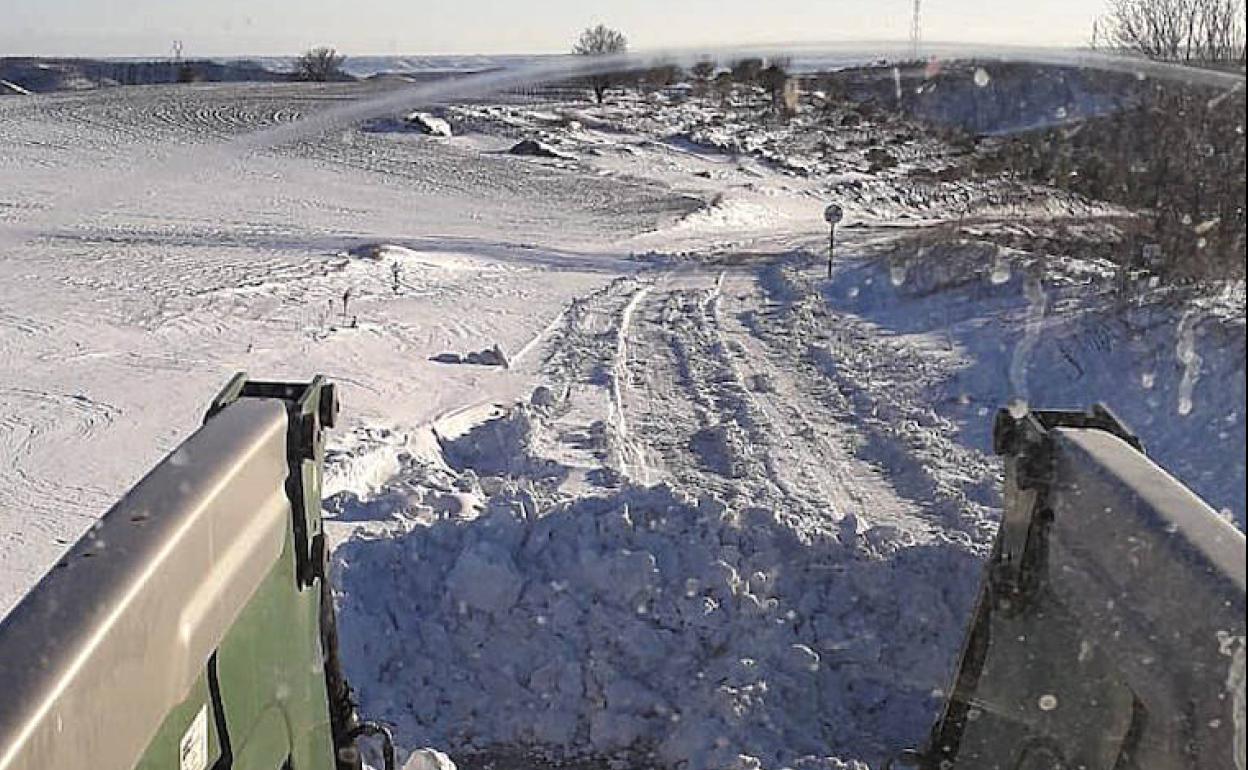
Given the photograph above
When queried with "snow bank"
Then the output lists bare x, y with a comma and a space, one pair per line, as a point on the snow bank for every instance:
645, 623
1055, 333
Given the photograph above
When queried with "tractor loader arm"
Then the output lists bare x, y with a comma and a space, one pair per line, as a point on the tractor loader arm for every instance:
1109, 629
192, 627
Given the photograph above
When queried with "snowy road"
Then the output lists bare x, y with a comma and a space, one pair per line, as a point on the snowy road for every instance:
684, 475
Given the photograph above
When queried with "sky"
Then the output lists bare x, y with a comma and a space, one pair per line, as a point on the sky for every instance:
356, 27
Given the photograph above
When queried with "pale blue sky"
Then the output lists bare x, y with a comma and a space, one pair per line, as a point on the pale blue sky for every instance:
235, 27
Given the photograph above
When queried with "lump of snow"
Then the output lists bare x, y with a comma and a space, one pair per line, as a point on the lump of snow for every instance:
427, 124
428, 759
535, 149
484, 578
648, 618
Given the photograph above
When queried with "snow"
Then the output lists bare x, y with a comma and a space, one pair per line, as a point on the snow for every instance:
712, 510
8, 88
650, 619
429, 124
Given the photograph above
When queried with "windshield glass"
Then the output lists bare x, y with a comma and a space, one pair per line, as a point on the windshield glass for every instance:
669, 361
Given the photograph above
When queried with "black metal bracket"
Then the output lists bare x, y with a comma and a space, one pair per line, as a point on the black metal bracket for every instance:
1025, 441
312, 408
1012, 435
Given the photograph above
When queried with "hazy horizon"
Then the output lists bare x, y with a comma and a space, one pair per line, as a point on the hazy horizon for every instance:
241, 28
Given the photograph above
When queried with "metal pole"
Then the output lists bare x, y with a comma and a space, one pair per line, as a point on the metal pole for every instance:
831, 248
832, 215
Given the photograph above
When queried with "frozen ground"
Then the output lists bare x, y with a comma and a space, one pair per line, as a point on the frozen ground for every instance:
719, 510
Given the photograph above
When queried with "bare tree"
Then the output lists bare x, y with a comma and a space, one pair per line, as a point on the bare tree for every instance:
703, 70
774, 78
319, 64
600, 41
1206, 32
747, 71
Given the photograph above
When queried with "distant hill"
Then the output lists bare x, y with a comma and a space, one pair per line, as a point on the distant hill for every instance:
415, 67
39, 75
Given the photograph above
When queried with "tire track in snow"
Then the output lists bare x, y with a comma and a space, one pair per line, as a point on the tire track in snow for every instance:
810, 458
632, 458
875, 386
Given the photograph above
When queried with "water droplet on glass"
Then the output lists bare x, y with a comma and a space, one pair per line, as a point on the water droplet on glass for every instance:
1148, 379
1018, 409
1048, 702
897, 274
1037, 305
981, 77
1000, 273
1191, 360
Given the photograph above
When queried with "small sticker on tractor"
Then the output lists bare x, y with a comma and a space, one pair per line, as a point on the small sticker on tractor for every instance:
193, 750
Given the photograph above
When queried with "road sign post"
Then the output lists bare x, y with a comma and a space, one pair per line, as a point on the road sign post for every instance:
833, 214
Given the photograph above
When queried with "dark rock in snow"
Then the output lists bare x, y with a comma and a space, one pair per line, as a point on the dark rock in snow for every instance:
879, 158
536, 149
489, 357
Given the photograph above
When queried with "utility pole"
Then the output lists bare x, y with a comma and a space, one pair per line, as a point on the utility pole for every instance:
916, 30
176, 69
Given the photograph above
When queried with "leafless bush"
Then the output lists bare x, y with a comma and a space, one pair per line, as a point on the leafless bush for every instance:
319, 65
655, 78
703, 69
775, 79
1189, 31
747, 71
1178, 157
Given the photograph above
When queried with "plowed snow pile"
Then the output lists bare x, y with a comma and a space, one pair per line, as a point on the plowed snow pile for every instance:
673, 630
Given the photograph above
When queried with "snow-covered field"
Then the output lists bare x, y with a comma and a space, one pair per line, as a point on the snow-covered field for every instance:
717, 510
